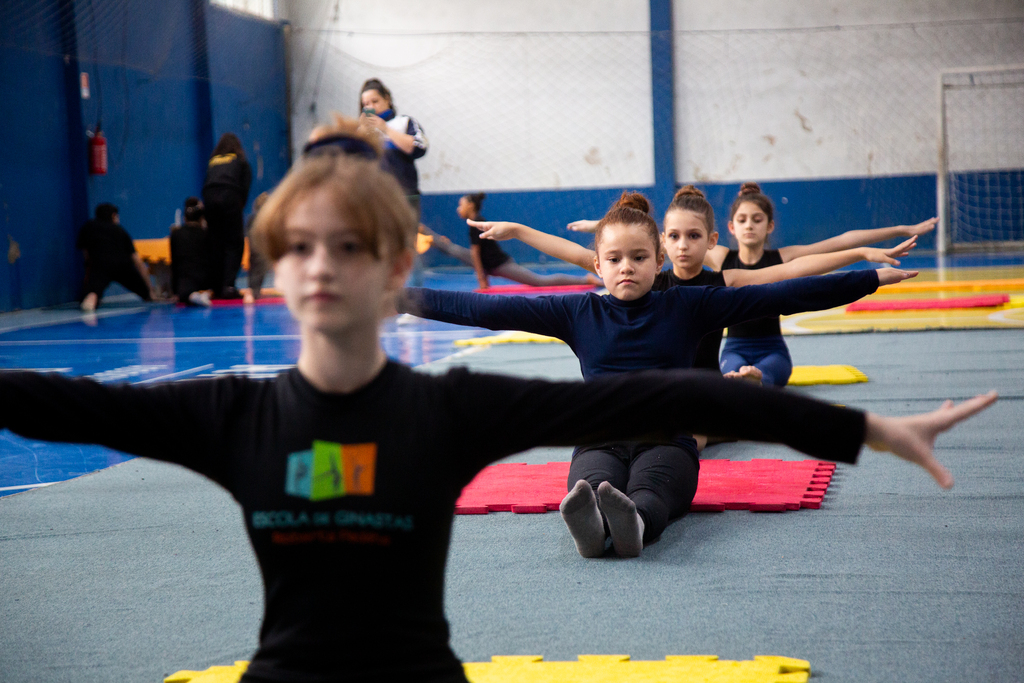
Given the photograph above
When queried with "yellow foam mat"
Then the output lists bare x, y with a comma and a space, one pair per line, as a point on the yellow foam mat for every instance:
589, 669
508, 338
805, 375
907, 287
619, 669
215, 674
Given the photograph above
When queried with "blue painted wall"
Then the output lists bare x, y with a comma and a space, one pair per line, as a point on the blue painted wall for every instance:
166, 78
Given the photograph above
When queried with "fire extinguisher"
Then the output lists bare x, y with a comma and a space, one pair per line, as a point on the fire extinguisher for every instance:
97, 152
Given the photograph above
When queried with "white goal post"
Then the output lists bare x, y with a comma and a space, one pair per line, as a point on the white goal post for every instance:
980, 181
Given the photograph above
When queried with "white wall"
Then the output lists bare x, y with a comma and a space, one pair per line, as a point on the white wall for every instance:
845, 88
512, 95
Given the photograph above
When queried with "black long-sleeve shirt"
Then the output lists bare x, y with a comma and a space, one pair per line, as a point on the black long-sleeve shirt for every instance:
658, 330
349, 499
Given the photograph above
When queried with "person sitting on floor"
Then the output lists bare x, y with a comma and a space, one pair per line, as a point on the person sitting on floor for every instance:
110, 256
190, 279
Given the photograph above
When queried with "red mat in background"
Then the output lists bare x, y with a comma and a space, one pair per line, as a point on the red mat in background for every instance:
527, 289
756, 485
980, 301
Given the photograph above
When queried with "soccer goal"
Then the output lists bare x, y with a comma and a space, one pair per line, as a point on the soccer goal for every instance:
981, 159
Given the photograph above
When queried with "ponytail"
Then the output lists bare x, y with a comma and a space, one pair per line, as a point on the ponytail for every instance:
632, 208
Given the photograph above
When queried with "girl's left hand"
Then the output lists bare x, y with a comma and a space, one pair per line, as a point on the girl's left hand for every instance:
890, 276
495, 230
373, 121
890, 256
921, 228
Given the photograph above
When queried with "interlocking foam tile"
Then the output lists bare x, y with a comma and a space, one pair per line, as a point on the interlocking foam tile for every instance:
588, 669
755, 485
806, 375
619, 669
513, 337
979, 301
527, 289
215, 674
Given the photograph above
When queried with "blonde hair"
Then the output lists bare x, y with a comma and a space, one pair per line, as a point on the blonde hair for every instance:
368, 198
632, 208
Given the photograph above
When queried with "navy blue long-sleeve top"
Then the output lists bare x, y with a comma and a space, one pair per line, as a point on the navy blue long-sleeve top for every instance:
660, 330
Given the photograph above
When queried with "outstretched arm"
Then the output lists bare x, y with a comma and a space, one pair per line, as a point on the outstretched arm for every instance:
857, 238
547, 315
558, 247
583, 226
817, 264
656, 405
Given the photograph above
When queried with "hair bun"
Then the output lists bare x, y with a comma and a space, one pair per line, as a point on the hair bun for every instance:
634, 200
750, 188
689, 190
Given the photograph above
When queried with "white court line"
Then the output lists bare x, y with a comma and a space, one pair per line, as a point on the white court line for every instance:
71, 317
26, 486
181, 373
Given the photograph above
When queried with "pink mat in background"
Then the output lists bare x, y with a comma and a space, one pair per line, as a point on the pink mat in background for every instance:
980, 301
756, 485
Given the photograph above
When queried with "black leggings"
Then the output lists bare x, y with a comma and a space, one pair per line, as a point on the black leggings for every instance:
660, 478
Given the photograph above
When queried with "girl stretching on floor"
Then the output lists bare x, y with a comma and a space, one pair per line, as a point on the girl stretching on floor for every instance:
348, 466
488, 259
640, 485
688, 236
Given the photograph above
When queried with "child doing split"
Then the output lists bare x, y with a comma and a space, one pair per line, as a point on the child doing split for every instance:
640, 485
348, 496
689, 234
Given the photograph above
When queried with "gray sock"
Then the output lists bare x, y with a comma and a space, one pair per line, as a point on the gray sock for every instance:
624, 524
580, 513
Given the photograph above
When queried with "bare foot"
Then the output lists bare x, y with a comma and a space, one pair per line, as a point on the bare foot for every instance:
89, 302
912, 438
595, 281
747, 372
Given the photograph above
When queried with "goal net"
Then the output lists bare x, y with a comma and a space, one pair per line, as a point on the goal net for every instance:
981, 159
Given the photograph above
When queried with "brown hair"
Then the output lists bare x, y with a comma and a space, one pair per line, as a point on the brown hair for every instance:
689, 198
476, 199
632, 208
229, 144
369, 198
375, 84
751, 192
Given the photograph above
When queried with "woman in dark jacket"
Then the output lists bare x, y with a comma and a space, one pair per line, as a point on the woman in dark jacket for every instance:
225, 194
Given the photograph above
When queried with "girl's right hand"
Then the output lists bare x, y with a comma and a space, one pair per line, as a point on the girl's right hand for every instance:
890, 276
582, 226
890, 256
496, 230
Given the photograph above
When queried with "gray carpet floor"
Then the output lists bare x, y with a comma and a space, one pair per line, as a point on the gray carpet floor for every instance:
142, 569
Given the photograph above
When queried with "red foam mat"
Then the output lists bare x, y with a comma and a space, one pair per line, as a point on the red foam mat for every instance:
527, 289
980, 301
756, 485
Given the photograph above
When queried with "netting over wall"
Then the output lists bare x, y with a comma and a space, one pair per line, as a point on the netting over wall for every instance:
832, 102
502, 111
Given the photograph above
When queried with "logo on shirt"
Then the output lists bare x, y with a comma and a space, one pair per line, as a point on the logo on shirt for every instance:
332, 470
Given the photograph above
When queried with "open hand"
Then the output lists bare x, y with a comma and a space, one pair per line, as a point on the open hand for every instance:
582, 226
496, 230
912, 438
890, 256
890, 276
921, 228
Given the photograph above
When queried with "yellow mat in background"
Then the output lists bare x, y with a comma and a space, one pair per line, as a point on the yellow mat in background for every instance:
512, 337
589, 669
806, 375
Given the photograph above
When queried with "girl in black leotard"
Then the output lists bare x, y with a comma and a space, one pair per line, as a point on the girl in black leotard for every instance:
348, 496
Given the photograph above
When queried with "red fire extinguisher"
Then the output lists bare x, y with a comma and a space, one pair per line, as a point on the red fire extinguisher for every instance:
97, 152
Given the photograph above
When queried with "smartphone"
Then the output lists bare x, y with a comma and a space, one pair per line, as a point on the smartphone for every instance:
369, 111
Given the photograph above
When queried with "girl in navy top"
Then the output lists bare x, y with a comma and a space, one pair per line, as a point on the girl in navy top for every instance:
640, 485
688, 236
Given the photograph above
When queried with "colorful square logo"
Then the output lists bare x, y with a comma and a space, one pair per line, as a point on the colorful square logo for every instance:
332, 470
